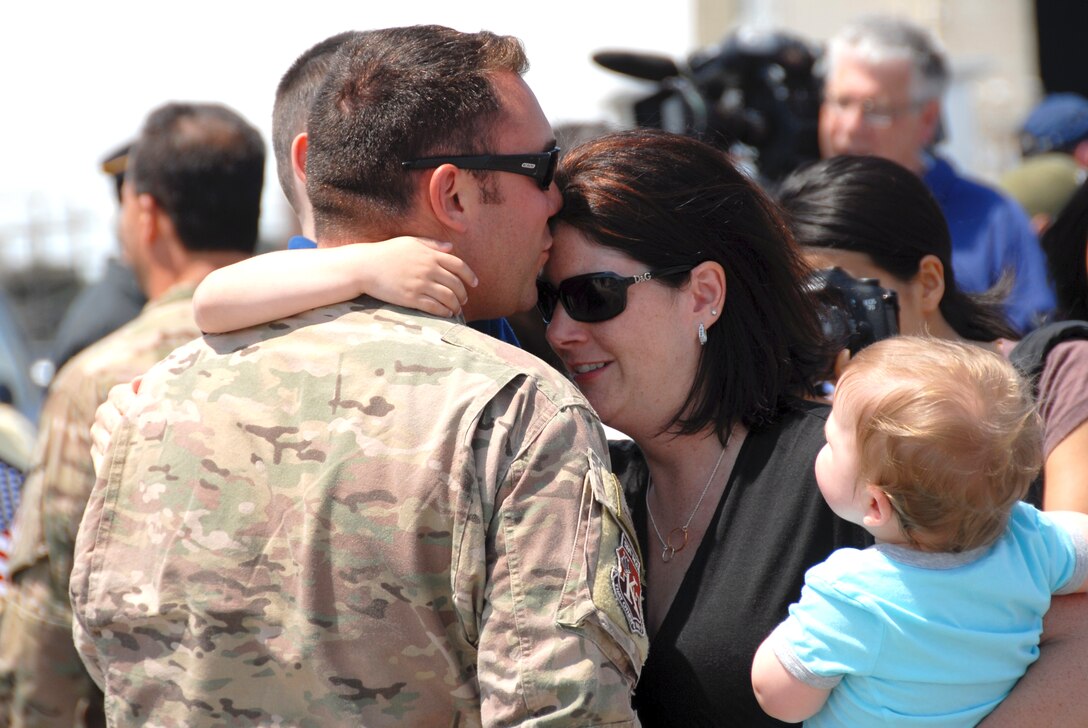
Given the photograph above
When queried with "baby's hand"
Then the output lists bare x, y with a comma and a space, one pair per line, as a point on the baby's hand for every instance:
416, 273
108, 417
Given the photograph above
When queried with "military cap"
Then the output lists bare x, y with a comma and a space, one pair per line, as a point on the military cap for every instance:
115, 163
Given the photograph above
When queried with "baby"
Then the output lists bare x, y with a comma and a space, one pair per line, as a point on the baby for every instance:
930, 446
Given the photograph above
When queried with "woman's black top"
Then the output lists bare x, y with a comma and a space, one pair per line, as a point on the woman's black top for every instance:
770, 526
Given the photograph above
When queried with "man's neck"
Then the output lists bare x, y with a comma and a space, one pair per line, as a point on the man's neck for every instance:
924, 163
192, 270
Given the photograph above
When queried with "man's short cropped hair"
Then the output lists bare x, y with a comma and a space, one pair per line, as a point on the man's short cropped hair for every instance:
204, 166
948, 431
294, 97
399, 94
879, 39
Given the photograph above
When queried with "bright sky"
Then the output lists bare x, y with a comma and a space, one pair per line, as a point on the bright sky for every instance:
78, 78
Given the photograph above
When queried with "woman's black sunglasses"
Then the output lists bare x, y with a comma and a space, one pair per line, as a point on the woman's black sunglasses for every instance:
594, 297
540, 165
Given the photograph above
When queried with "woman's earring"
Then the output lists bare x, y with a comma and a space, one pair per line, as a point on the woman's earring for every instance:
702, 334
713, 312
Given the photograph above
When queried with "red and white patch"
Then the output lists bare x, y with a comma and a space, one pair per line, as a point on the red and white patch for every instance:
627, 584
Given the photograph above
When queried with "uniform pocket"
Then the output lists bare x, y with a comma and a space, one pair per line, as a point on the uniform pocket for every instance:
602, 590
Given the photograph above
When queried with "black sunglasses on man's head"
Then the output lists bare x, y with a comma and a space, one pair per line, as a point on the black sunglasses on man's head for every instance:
539, 165
594, 297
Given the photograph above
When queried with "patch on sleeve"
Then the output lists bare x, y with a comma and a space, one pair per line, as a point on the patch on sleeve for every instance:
627, 584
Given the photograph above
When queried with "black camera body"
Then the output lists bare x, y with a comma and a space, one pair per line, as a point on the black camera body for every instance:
754, 91
854, 312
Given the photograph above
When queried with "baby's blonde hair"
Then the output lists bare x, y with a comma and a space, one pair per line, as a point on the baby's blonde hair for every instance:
948, 431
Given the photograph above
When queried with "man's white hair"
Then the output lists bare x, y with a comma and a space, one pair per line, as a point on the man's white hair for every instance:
879, 39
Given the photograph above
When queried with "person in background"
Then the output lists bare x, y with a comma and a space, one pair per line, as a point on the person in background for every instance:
190, 203
1058, 356
17, 435
884, 78
1066, 247
931, 444
1058, 124
107, 304
1043, 184
416, 519
874, 219
1054, 145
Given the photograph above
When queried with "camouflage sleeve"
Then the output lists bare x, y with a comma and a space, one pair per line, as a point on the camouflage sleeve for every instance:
80, 582
562, 639
41, 676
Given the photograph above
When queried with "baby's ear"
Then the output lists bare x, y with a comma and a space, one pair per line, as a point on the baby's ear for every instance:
879, 512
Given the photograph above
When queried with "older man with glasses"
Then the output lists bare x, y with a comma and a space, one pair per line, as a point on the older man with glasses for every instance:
884, 78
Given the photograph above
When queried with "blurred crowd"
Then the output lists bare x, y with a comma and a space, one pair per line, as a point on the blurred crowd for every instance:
768, 414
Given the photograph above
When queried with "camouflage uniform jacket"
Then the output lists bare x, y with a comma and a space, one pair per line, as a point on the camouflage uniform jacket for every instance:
42, 680
359, 516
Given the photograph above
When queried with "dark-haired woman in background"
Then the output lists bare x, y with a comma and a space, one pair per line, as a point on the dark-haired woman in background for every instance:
875, 219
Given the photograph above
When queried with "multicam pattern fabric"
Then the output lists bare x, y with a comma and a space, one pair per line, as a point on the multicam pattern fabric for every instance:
42, 680
357, 516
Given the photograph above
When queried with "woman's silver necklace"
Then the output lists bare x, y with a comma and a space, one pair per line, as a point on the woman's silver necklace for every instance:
668, 549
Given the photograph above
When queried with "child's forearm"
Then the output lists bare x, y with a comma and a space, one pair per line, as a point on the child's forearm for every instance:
272, 286
411, 272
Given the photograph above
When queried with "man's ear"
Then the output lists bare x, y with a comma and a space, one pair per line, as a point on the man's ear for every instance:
163, 248
1040, 221
299, 147
1080, 154
147, 219
930, 279
931, 119
447, 195
707, 289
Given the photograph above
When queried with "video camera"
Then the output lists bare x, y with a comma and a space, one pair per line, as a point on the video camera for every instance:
855, 312
754, 95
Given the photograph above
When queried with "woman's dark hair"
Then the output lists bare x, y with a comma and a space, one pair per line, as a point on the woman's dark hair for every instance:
874, 206
1066, 245
666, 200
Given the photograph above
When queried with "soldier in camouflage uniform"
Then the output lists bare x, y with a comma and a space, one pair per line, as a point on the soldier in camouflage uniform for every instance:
190, 205
365, 515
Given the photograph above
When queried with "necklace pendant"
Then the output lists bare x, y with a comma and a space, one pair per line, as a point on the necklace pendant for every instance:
670, 549
681, 533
